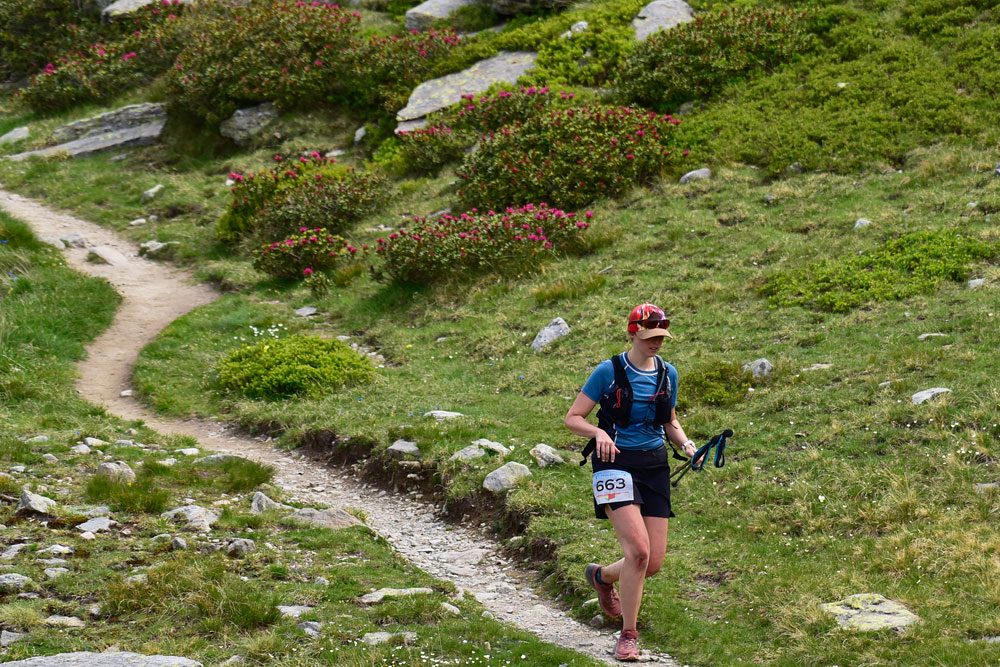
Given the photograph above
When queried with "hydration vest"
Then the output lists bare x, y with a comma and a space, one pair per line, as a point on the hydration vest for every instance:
616, 407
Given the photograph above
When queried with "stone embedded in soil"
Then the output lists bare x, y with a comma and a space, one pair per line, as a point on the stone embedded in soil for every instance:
976, 283
104, 254
927, 336
64, 621
14, 583
108, 659
870, 611
53, 572
328, 518
262, 503
58, 550
50, 458
32, 503
197, 518
125, 7
817, 367
703, 174
97, 525
156, 248
11, 552
247, 124
294, 611
403, 448
16, 134
94, 442
426, 14
928, 394
861, 223
240, 547
37, 439
545, 455
549, 334
80, 449
306, 311
376, 638
469, 453
661, 15
506, 477
311, 628
385, 593
986, 487
74, 240
760, 368
188, 451
7, 637
214, 458
491, 446
116, 470
151, 193
443, 415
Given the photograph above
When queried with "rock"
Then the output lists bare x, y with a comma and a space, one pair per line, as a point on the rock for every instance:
168, 462
437, 94
74, 240
410, 125
311, 628
870, 611
306, 311
597, 621
575, 29
817, 367
760, 368
64, 621
32, 503
178, 544
151, 193
212, 459
795, 168
16, 134
37, 439
976, 283
109, 659
125, 7
88, 536
359, 135
928, 394
424, 16
926, 336
94, 442
986, 487
58, 550
294, 611
552, 332
247, 124
240, 547
138, 222
80, 449
696, 175
861, 223
53, 572
50, 458
505, 477
403, 448
104, 254
7, 637
464, 557
469, 453
14, 583
11, 552
197, 518
260, 503
17, 469
321, 581
385, 593
376, 638
154, 248
329, 518
99, 524
443, 415
138, 124
661, 15
188, 451
451, 609
117, 470
546, 456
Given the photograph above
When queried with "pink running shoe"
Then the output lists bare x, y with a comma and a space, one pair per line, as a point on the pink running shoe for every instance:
627, 648
607, 596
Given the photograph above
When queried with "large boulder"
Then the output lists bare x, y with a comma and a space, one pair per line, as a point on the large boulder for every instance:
32, 503
134, 125
661, 15
425, 15
437, 94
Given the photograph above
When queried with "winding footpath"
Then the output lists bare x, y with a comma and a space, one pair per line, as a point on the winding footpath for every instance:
154, 295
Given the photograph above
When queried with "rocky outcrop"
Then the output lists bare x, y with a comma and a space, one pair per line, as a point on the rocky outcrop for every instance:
661, 15
134, 125
425, 15
247, 124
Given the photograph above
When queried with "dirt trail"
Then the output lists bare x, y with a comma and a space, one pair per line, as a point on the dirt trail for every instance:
154, 295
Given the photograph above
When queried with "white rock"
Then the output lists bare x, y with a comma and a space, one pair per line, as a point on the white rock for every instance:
546, 456
17, 134
861, 223
402, 449
32, 503
261, 503
550, 333
37, 439
491, 446
80, 449
152, 192
385, 593
359, 135
294, 611
925, 336
928, 394
58, 550
976, 283
870, 611
117, 470
53, 572
661, 15
188, 451
88, 536
376, 638
311, 628
13, 582
506, 477
197, 518
64, 621
50, 458
703, 174
99, 524
94, 442
443, 415
759, 367
469, 453
138, 222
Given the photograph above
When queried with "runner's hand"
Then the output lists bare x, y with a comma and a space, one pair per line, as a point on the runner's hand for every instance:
606, 449
690, 448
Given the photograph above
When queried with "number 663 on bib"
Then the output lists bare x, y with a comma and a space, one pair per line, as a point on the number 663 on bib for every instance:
612, 486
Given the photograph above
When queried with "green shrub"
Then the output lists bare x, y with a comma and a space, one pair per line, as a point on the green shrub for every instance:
428, 149
300, 256
902, 267
716, 382
285, 52
235, 474
105, 70
380, 73
36, 32
567, 157
973, 59
493, 110
941, 18
695, 60
589, 58
294, 365
837, 116
511, 242
333, 199
143, 495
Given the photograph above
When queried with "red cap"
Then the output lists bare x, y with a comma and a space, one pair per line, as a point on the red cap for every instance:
648, 321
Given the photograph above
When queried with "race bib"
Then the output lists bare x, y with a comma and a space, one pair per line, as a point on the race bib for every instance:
612, 486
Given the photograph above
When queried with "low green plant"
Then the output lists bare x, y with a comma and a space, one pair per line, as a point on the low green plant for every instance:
693, 61
143, 495
716, 382
235, 474
471, 18
941, 18
428, 149
568, 289
284, 52
511, 242
294, 365
908, 265
302, 255
568, 157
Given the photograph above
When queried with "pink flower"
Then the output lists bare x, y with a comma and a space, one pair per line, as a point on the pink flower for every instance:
307, 272
49, 68
589, 215
128, 56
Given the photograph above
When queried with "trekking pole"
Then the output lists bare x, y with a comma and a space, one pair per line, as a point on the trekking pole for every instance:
697, 462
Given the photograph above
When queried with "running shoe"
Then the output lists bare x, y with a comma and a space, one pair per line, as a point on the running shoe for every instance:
607, 596
627, 648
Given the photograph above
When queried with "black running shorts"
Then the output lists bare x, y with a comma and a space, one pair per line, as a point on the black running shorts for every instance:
650, 481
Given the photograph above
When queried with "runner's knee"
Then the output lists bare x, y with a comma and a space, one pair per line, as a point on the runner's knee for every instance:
654, 566
638, 557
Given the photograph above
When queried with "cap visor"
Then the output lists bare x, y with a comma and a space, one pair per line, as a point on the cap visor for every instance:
644, 334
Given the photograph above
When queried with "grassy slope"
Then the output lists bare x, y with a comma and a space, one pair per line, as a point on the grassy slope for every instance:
835, 485
194, 602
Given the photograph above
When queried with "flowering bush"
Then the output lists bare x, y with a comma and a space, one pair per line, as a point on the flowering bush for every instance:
491, 111
694, 60
302, 255
428, 149
381, 72
513, 241
568, 157
293, 365
106, 69
282, 51
35, 32
328, 198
